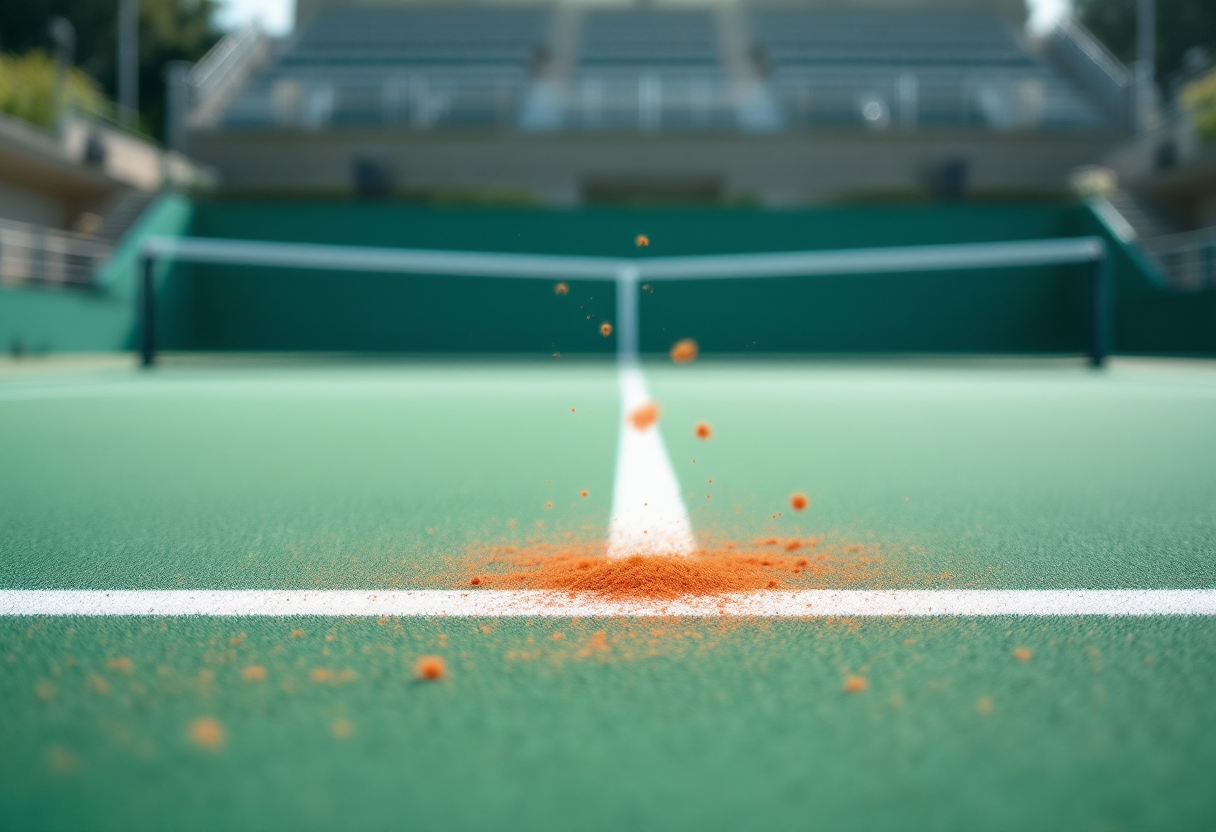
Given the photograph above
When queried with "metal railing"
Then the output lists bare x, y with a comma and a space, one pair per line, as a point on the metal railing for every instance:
1187, 260
912, 99
217, 74
1095, 67
420, 100
40, 256
647, 102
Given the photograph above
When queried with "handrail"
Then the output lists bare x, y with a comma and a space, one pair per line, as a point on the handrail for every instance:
1096, 51
37, 255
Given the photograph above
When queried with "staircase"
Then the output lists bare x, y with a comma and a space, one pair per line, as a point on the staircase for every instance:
1185, 260
121, 214
1144, 219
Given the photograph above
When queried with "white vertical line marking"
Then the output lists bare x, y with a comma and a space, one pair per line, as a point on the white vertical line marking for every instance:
648, 514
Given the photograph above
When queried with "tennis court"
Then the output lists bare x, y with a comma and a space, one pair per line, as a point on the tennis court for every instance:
377, 485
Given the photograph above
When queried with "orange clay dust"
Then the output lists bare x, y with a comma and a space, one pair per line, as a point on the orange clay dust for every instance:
207, 732
641, 241
798, 501
685, 351
714, 571
561, 289
605, 329
703, 431
644, 415
430, 668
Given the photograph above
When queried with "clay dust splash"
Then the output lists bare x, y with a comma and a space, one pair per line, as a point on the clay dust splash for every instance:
726, 568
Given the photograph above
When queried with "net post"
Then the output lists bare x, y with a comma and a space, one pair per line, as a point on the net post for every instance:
1099, 307
147, 309
627, 337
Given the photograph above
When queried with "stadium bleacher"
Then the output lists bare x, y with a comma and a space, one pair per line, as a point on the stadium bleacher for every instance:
910, 67
421, 66
648, 68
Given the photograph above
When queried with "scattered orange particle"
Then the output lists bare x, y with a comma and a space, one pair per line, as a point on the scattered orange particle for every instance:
703, 431
430, 668
984, 705
598, 643
605, 329
583, 493
297, 633
99, 684
557, 636
207, 732
476, 581
644, 415
685, 351
1023, 654
656, 576
62, 760
561, 289
855, 684
122, 664
798, 501
45, 690
641, 241
254, 673
342, 729
548, 504
320, 674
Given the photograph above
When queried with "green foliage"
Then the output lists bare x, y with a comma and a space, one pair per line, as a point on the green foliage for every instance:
27, 89
169, 30
1200, 98
1181, 24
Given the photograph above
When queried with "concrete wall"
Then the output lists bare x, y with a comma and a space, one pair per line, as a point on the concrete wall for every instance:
776, 170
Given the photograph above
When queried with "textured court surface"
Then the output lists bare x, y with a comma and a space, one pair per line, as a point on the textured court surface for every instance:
975, 476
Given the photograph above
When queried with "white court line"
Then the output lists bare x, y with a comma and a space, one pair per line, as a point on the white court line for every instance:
540, 604
648, 513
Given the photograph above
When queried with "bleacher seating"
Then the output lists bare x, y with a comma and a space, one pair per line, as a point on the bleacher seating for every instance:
418, 65
649, 69
649, 38
916, 67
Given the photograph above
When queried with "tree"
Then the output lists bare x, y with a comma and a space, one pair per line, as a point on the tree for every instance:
169, 30
1181, 25
27, 88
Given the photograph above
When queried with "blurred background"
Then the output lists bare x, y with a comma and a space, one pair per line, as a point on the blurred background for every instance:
568, 127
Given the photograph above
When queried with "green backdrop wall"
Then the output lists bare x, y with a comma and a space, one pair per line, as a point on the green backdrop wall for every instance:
258, 309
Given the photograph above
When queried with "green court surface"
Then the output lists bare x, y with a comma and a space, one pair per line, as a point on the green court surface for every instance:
314, 475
